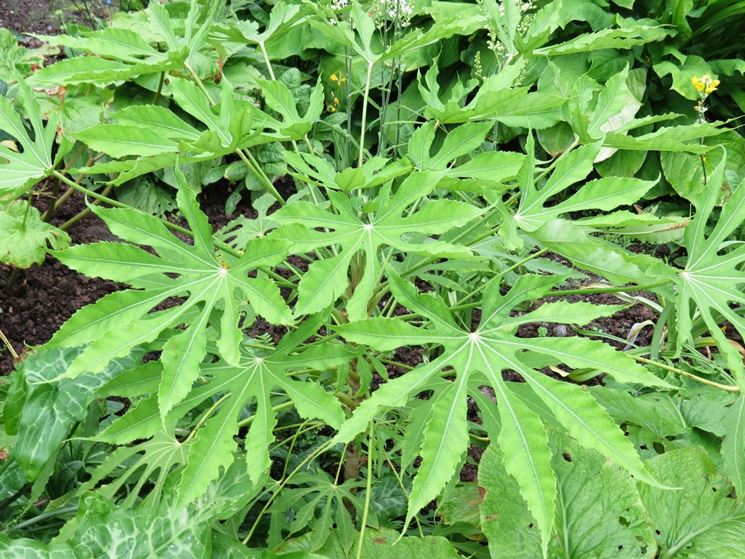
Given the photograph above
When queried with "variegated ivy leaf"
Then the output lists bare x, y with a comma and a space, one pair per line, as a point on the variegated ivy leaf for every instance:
484, 353
352, 232
713, 276
164, 530
50, 409
214, 288
258, 378
22, 168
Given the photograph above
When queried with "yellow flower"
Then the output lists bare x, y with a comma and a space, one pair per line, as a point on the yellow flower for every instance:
337, 77
698, 84
705, 84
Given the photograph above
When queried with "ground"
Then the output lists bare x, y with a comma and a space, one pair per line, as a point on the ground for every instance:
48, 16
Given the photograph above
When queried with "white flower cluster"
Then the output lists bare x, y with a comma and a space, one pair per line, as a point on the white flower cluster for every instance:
397, 8
339, 4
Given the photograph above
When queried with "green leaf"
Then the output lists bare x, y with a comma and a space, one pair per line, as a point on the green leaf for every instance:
442, 448
25, 238
538, 206
123, 54
733, 446
485, 352
598, 514
255, 379
712, 276
118, 323
327, 279
623, 38
700, 519
121, 140
51, 409
22, 168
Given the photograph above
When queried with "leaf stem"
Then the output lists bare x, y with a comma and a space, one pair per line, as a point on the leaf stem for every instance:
368, 487
725, 387
81, 214
610, 289
7, 344
365, 98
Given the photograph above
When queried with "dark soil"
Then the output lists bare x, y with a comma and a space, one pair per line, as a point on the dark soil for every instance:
47, 17
45, 296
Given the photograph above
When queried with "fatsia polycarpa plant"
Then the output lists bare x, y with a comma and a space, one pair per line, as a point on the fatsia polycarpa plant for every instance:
256, 381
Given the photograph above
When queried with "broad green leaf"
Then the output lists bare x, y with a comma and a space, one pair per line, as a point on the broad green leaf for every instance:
25, 238
31, 161
598, 510
700, 519
385, 544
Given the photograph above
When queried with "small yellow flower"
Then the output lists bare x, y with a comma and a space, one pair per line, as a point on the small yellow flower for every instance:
705, 85
337, 77
698, 84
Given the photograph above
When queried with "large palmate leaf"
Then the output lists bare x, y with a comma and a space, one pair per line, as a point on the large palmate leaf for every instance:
258, 378
483, 172
123, 54
51, 409
255, 379
320, 491
495, 99
713, 276
31, 161
598, 510
699, 520
24, 237
122, 320
158, 138
279, 98
480, 356
538, 203
386, 226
